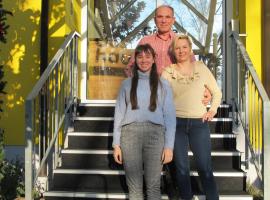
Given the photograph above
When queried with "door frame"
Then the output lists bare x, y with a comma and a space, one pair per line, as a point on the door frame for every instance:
83, 57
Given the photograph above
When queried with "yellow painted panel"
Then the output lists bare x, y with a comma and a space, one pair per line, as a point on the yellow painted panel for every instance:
240, 14
29, 4
57, 26
251, 24
20, 57
254, 33
73, 17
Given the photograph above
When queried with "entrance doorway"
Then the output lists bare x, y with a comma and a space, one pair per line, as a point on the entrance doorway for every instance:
116, 26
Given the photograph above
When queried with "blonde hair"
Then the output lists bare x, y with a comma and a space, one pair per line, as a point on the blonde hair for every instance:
179, 37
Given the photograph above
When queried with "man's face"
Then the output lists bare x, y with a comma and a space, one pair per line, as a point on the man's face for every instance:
164, 19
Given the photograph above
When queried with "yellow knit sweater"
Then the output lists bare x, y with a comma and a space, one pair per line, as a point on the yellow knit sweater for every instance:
188, 90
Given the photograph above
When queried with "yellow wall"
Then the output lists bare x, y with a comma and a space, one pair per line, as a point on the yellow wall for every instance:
64, 17
73, 21
57, 26
254, 33
239, 13
73, 17
20, 56
249, 14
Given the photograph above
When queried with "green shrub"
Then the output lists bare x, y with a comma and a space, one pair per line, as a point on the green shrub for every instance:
11, 176
12, 183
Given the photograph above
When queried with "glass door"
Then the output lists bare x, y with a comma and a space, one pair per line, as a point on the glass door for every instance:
116, 26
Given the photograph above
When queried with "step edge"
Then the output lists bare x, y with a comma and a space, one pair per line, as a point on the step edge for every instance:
125, 195
105, 101
94, 118
106, 152
103, 134
122, 172
91, 103
219, 119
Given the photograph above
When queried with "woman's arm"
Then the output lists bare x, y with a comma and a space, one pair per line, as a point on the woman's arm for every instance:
169, 116
119, 113
211, 84
206, 96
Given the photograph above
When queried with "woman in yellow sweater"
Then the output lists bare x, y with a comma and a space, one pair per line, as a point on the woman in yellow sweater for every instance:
188, 80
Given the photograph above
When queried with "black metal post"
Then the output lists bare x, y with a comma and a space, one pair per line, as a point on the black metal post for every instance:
43, 65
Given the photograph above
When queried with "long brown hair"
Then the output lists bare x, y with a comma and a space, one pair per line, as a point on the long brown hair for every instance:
153, 80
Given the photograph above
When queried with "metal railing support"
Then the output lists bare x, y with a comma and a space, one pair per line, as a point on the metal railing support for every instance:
266, 151
28, 150
55, 90
253, 105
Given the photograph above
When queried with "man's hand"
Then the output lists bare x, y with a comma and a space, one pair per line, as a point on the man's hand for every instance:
208, 116
117, 154
207, 97
167, 155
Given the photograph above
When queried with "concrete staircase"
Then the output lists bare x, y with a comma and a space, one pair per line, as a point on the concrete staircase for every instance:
88, 171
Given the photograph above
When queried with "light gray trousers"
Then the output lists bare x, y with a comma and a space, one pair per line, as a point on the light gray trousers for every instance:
142, 145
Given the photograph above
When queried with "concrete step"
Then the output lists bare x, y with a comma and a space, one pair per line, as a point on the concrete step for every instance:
103, 159
107, 110
87, 140
106, 180
82, 195
105, 124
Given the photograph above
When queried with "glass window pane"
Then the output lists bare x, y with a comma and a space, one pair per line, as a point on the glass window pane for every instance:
111, 29
202, 6
115, 28
114, 7
217, 27
189, 21
136, 14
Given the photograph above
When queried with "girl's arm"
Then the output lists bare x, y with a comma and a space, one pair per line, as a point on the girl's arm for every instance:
169, 116
119, 113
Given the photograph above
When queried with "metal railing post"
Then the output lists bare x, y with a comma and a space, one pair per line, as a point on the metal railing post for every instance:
246, 128
254, 105
56, 114
50, 90
234, 70
28, 150
266, 150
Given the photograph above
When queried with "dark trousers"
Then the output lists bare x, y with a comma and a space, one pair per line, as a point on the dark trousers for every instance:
197, 134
